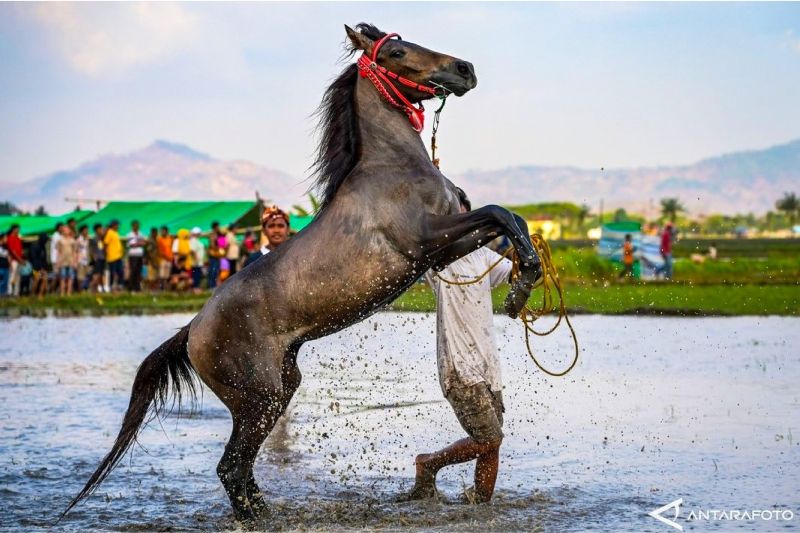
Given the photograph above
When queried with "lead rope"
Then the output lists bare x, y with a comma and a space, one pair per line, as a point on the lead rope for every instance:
547, 282
443, 97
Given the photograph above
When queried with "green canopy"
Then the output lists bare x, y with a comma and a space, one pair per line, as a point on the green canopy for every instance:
297, 222
624, 226
176, 215
30, 225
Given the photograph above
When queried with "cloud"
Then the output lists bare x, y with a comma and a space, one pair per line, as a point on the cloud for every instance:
99, 39
792, 41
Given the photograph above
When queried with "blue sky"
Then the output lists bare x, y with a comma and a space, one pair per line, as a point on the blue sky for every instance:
591, 85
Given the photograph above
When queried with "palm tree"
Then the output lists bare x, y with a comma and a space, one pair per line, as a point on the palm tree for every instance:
670, 207
789, 204
583, 212
301, 211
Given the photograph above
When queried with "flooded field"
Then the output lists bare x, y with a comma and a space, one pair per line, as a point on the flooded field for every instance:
657, 409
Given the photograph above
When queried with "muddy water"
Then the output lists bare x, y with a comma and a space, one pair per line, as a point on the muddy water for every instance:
657, 409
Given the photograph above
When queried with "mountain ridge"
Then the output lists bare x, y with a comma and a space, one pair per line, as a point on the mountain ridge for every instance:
744, 181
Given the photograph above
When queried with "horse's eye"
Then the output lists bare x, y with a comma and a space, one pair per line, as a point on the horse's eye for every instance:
397, 54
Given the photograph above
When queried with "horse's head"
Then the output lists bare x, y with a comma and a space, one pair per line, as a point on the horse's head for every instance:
415, 63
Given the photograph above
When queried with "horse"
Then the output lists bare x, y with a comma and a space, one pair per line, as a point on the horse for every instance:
387, 215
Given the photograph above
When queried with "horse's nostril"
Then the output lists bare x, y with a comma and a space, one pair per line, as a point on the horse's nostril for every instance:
463, 68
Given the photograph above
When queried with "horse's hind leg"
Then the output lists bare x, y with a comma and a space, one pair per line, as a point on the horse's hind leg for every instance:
252, 422
256, 411
290, 377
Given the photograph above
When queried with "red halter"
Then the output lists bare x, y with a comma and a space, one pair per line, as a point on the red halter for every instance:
379, 76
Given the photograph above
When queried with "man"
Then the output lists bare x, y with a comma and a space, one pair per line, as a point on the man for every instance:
627, 256
198, 258
83, 259
4, 264
233, 252
164, 257
152, 258
72, 224
14, 246
667, 238
275, 227
136, 242
113, 249
38, 259
469, 368
214, 255
67, 260
97, 256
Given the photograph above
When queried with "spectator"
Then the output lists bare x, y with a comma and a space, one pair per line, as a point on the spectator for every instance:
224, 263
275, 226
4, 266
164, 257
712, 251
182, 252
249, 243
136, 244
198, 258
627, 257
73, 227
233, 252
38, 258
67, 260
113, 249
152, 259
97, 255
667, 239
25, 273
14, 247
83, 272
54, 248
214, 255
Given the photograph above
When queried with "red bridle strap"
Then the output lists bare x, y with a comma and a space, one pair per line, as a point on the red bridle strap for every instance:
380, 78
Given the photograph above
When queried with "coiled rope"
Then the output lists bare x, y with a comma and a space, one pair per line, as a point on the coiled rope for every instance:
550, 283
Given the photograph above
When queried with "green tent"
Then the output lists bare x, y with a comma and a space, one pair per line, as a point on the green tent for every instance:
625, 226
31, 225
176, 215
297, 222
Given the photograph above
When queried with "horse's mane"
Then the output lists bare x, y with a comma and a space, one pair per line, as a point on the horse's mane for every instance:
339, 146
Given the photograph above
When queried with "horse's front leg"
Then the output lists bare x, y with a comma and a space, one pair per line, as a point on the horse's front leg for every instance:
450, 237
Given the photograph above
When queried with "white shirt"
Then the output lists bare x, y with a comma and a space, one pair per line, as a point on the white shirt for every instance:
135, 244
196, 246
466, 351
54, 247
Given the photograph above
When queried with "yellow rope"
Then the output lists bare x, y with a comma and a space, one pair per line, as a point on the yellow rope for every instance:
528, 315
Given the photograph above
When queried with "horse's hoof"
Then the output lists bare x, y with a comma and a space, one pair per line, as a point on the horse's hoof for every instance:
515, 301
245, 516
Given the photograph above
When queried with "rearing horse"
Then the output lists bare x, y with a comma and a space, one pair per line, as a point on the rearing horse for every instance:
387, 216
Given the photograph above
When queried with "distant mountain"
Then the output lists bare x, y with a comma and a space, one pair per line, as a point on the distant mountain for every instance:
735, 183
161, 171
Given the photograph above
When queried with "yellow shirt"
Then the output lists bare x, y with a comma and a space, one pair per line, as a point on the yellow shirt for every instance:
113, 246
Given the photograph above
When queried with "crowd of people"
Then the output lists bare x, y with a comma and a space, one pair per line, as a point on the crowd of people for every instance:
98, 259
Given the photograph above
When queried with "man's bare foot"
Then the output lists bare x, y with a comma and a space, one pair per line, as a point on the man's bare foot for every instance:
425, 482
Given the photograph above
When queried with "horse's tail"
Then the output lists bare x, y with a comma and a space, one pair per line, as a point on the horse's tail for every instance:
168, 364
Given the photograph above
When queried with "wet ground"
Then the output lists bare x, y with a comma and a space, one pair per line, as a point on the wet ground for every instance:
657, 409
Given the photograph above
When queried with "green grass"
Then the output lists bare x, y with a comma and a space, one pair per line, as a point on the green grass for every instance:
726, 247
683, 299
653, 298
102, 304
585, 266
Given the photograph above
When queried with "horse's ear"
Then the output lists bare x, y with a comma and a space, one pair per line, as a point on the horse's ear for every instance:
358, 40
